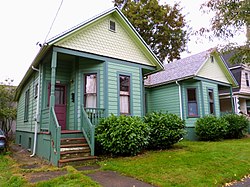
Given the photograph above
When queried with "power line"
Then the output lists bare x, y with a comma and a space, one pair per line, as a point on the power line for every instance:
53, 21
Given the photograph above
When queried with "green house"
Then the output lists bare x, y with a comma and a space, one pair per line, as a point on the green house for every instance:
88, 72
190, 88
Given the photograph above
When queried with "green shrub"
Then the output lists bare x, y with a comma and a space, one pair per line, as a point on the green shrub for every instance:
166, 129
211, 128
237, 125
122, 135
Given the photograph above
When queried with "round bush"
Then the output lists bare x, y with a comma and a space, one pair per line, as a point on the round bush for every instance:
237, 125
211, 128
166, 129
122, 135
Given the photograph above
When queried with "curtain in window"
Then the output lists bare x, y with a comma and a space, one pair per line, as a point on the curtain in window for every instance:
124, 102
90, 91
124, 94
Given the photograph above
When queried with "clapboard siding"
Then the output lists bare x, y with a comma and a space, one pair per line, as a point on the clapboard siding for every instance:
163, 98
114, 70
27, 125
214, 87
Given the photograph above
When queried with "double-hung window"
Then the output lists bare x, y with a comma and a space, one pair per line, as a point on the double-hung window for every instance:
90, 91
247, 79
124, 94
192, 102
211, 101
26, 105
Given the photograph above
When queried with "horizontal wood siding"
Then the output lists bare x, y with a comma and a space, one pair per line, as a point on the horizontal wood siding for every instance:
87, 66
214, 87
27, 125
163, 98
113, 71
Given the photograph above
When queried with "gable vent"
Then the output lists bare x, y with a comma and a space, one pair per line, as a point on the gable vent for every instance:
112, 26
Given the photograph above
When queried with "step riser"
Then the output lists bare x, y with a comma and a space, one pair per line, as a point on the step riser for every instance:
75, 155
64, 142
73, 150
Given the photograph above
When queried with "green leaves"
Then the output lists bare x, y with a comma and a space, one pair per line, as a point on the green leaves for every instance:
122, 135
166, 129
211, 128
161, 26
237, 125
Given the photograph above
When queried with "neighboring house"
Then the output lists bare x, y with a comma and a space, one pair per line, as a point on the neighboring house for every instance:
189, 87
241, 95
88, 72
8, 125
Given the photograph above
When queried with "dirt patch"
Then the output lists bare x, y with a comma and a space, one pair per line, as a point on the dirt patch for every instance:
44, 176
23, 158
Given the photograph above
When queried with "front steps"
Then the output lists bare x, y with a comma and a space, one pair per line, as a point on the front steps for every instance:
74, 150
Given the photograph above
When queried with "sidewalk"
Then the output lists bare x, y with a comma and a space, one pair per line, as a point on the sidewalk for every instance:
104, 178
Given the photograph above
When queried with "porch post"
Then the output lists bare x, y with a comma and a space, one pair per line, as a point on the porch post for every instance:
232, 100
53, 80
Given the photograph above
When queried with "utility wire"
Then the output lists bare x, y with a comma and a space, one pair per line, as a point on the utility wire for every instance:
53, 21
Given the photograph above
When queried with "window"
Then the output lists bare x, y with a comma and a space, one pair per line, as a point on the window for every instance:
60, 95
247, 79
192, 102
211, 100
26, 105
36, 90
112, 26
212, 59
124, 94
90, 96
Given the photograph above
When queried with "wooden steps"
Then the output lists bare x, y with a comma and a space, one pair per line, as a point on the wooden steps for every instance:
74, 150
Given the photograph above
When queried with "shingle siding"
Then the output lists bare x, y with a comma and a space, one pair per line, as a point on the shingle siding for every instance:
98, 39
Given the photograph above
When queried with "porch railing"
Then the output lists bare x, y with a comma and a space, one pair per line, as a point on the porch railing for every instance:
55, 129
95, 114
89, 119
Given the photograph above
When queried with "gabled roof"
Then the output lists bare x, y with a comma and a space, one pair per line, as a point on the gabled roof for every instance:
45, 47
185, 68
116, 11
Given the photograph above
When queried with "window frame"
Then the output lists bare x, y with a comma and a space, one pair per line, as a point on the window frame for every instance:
210, 90
26, 105
84, 88
192, 101
111, 26
129, 94
247, 79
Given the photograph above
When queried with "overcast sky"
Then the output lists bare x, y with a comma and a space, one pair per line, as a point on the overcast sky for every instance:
26, 22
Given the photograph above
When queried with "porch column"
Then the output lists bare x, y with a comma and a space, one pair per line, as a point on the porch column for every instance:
53, 80
232, 100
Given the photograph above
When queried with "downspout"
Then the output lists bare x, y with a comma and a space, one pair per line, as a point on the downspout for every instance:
180, 98
37, 111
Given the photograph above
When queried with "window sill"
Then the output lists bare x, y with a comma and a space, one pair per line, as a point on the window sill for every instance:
193, 116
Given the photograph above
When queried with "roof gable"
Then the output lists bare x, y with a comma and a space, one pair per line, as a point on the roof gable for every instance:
178, 70
198, 65
94, 36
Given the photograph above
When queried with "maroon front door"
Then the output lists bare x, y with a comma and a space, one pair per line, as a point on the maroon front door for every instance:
60, 105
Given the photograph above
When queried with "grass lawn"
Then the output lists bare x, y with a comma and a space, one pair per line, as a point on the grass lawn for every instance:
188, 164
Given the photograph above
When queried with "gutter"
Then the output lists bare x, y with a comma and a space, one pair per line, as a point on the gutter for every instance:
180, 98
37, 112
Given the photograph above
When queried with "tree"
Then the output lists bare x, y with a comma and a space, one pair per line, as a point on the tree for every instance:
231, 17
7, 105
161, 26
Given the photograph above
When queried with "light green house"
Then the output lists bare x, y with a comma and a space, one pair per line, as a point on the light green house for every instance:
190, 88
88, 72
